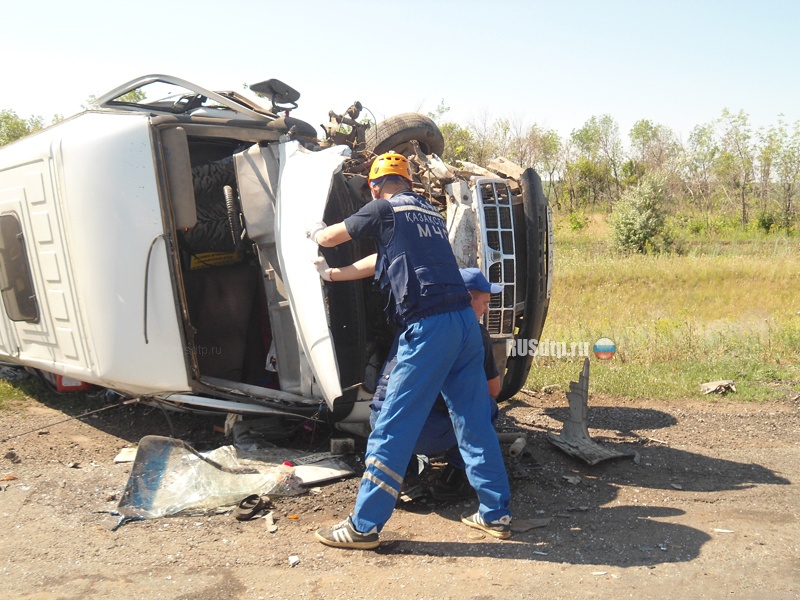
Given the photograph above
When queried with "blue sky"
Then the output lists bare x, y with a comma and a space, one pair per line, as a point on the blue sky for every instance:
553, 63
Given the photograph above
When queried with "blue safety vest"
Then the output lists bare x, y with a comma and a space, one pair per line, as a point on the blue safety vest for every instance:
417, 266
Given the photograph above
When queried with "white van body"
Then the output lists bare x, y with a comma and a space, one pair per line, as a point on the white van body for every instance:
122, 269
86, 194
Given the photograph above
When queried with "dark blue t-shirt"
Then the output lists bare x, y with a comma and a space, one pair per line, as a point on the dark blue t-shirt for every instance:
374, 220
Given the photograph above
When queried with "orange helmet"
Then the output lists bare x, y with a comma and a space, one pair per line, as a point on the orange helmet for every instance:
390, 163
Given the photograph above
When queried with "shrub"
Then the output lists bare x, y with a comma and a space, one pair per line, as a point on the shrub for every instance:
577, 220
766, 222
638, 220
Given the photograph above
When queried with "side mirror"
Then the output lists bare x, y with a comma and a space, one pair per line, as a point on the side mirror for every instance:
278, 93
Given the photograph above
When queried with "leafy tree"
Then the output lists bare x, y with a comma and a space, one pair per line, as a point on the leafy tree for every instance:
484, 133
598, 143
787, 170
768, 151
439, 112
653, 147
698, 165
546, 155
736, 161
458, 143
14, 127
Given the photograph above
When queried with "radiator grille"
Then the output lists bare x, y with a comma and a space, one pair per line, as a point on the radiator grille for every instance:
498, 253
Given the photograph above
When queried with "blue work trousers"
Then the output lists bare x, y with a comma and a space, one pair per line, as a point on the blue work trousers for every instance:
442, 352
437, 435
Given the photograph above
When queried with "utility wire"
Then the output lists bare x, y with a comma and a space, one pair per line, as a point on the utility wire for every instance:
86, 414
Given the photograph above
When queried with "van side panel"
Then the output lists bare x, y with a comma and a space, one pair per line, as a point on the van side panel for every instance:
55, 340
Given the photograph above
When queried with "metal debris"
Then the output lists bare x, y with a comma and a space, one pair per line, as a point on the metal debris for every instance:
574, 437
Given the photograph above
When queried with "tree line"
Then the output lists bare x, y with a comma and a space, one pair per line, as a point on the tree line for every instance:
726, 169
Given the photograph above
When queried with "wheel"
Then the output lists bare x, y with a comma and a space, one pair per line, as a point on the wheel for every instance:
539, 252
396, 132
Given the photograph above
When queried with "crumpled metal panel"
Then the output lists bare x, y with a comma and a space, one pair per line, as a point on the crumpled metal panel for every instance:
574, 438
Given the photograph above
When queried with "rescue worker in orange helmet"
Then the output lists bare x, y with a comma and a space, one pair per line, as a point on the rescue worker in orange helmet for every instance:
440, 348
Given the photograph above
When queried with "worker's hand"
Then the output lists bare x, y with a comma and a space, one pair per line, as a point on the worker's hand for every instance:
322, 268
311, 232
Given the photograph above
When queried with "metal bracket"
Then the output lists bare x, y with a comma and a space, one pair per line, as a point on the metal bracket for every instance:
574, 438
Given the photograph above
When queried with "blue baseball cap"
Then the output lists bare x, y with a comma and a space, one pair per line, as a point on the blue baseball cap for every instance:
475, 281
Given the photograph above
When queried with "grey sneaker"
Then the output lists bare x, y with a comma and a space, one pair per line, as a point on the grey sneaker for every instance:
345, 535
501, 528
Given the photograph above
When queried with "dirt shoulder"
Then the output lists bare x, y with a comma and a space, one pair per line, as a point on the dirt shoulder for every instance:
710, 510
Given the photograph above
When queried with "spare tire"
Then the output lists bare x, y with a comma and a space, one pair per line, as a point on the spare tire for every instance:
397, 131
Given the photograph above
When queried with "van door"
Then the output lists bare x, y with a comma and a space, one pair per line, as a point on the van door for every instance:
305, 183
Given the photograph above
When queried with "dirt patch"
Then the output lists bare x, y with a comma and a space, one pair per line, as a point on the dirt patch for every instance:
709, 510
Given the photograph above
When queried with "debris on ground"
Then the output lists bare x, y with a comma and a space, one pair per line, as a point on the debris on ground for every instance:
723, 386
574, 438
125, 455
170, 477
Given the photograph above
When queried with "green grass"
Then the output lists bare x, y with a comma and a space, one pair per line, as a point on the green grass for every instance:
721, 309
10, 394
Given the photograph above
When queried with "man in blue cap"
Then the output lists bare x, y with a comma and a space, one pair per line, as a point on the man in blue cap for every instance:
437, 435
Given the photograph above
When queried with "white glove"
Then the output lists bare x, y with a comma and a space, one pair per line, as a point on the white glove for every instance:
311, 232
322, 268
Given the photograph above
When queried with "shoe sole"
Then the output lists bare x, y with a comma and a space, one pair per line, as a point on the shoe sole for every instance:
502, 535
351, 545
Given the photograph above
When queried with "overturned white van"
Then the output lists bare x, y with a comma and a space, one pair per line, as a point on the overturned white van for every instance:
154, 245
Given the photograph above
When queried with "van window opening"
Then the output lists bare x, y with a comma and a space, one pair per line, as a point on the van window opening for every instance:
16, 283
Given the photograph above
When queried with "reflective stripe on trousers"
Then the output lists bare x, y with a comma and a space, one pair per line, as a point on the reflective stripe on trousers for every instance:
442, 352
